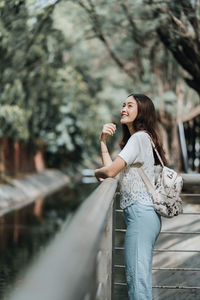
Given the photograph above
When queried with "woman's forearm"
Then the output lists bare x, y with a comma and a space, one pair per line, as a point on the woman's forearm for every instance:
105, 156
111, 171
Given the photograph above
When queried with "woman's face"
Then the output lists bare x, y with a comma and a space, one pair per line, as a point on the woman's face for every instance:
129, 111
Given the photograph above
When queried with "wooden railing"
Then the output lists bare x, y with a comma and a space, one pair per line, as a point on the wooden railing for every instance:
85, 260
78, 262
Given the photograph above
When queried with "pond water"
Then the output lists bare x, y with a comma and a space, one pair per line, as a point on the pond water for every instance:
25, 232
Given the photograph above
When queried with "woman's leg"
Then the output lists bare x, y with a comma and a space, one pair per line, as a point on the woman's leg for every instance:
143, 227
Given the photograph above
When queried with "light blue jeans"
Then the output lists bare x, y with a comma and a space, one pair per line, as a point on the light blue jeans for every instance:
143, 228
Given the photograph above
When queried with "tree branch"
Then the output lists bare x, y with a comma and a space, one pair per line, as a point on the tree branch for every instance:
49, 11
133, 26
180, 24
189, 12
191, 115
183, 49
99, 33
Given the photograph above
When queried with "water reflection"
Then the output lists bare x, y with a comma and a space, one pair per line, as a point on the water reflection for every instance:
23, 233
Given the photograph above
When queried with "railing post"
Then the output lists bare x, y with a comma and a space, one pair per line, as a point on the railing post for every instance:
104, 260
113, 244
183, 147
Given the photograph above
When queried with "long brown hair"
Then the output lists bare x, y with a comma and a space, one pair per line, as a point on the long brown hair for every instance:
146, 120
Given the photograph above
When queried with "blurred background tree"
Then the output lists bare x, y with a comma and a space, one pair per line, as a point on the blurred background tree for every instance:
39, 88
156, 43
67, 66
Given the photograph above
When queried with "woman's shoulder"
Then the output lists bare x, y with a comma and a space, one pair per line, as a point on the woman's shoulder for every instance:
142, 134
140, 138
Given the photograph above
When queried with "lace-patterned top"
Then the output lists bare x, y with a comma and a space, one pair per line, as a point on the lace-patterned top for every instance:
136, 153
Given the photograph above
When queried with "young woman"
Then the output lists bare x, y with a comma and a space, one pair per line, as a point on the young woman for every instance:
139, 125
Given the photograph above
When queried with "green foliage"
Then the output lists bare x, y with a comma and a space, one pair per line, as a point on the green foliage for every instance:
35, 83
47, 90
67, 66
131, 33
14, 122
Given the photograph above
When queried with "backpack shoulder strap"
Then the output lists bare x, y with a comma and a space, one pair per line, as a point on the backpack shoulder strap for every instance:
158, 155
146, 180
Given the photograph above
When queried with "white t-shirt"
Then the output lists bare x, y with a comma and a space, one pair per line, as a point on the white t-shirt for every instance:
136, 153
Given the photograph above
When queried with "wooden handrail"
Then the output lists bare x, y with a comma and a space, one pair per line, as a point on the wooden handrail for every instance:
76, 263
191, 179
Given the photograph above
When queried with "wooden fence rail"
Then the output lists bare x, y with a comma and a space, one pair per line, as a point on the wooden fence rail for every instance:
77, 265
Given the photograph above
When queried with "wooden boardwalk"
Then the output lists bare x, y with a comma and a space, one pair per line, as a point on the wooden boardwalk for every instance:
176, 262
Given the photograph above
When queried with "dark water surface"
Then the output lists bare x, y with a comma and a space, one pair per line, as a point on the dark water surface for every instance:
23, 233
